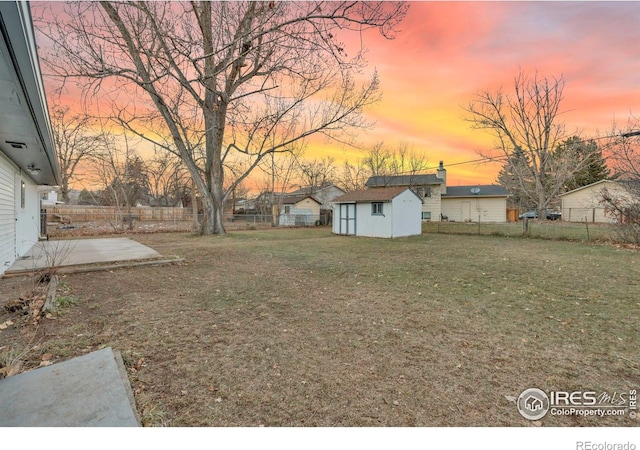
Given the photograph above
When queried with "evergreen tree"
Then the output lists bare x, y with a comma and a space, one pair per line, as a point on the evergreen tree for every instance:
515, 179
594, 166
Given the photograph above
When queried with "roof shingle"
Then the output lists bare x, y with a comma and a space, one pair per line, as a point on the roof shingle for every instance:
370, 195
403, 180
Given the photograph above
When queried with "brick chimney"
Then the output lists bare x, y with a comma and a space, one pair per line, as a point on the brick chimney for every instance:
442, 174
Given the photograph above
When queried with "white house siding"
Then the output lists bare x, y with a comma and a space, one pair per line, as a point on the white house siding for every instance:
472, 209
327, 194
7, 215
19, 227
405, 218
371, 225
584, 204
306, 212
432, 204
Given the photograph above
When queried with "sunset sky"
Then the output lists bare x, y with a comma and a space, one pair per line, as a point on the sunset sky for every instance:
448, 51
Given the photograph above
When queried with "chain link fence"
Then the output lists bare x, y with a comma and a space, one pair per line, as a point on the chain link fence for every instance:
554, 230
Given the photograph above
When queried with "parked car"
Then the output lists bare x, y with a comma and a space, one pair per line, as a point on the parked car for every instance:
533, 214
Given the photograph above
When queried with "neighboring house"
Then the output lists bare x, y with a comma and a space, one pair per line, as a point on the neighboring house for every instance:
584, 203
27, 154
484, 203
299, 210
429, 187
455, 203
387, 212
244, 204
324, 195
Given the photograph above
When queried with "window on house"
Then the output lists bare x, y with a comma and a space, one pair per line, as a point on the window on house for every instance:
426, 191
426, 215
23, 189
376, 209
287, 209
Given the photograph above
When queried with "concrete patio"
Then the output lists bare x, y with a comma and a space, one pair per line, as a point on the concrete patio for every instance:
77, 252
89, 391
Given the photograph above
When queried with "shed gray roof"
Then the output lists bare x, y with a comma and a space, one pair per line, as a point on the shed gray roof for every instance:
485, 190
403, 180
371, 195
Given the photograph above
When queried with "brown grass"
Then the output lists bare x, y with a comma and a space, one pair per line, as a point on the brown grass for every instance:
303, 328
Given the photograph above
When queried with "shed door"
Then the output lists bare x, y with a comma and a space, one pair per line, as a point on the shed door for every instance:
7, 218
348, 219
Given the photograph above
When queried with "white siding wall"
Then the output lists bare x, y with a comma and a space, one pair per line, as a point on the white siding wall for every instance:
585, 203
374, 226
19, 227
486, 209
407, 220
327, 194
432, 203
7, 215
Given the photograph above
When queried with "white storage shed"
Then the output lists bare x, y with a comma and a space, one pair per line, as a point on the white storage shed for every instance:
381, 212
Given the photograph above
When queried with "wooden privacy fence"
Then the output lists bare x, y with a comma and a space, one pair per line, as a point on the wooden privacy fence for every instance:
81, 213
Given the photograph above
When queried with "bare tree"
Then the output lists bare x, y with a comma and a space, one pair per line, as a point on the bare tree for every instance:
76, 142
123, 179
528, 131
280, 171
624, 204
168, 179
354, 176
239, 78
382, 161
316, 174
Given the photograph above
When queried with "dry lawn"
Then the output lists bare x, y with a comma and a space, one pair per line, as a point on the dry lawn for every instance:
303, 328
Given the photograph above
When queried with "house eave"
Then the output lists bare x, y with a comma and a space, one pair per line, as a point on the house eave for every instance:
24, 98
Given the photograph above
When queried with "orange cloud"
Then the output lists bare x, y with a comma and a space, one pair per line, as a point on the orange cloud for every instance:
448, 51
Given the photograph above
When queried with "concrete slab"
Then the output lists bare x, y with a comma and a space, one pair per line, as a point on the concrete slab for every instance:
88, 391
82, 251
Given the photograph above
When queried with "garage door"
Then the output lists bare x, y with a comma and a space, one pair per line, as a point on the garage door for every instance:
7, 218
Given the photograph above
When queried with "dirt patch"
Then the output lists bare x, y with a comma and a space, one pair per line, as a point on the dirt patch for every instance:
303, 328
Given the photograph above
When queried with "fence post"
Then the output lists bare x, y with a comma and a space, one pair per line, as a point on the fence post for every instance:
586, 224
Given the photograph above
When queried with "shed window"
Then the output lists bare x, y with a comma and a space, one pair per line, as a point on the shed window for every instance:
287, 209
376, 209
